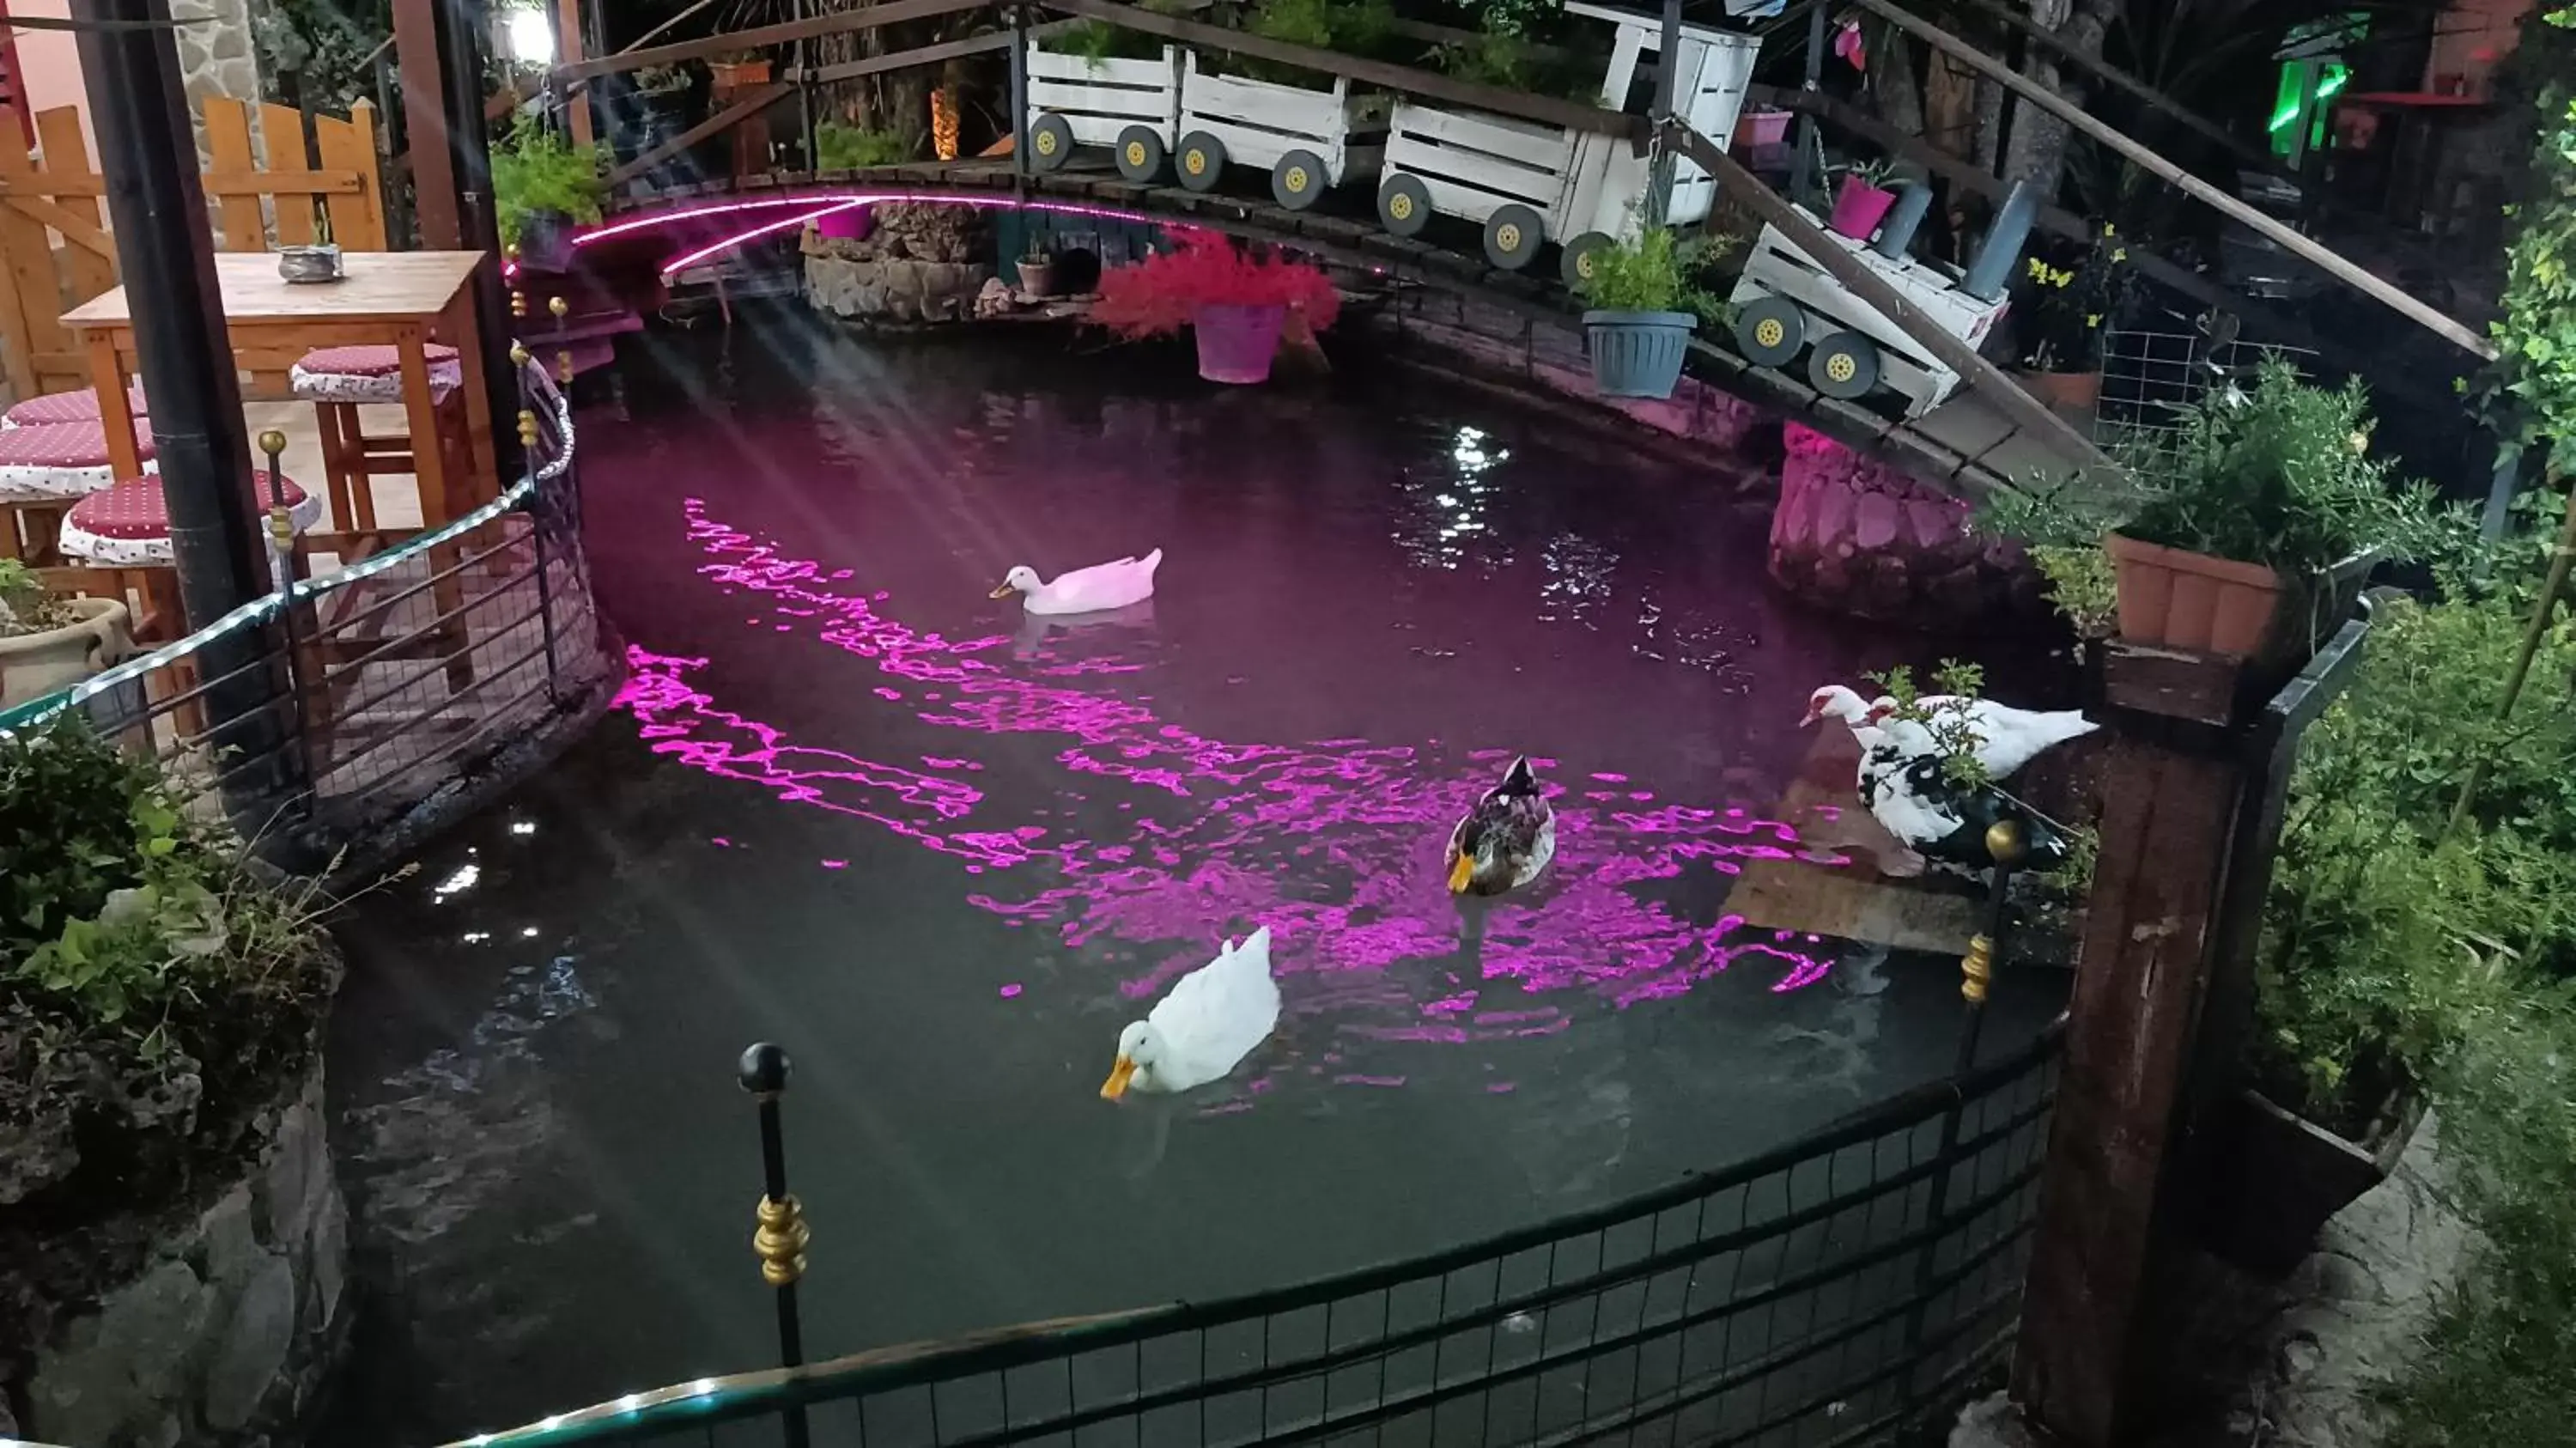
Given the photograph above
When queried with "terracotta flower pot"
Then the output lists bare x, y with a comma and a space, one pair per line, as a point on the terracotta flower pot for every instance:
2173, 599
2068, 391
1037, 278
731, 75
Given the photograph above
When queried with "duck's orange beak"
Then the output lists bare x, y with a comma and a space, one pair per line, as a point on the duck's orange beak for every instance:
1461, 872
1119, 1075
1004, 591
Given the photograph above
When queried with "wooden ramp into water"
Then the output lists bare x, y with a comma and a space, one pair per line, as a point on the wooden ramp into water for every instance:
1860, 900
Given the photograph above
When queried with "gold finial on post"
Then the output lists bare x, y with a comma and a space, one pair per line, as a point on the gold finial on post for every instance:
272, 442
527, 427
2007, 843
1976, 968
563, 358
780, 1242
518, 354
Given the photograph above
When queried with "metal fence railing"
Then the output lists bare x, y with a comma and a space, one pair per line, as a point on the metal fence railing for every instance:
1833, 1292
2148, 375
314, 713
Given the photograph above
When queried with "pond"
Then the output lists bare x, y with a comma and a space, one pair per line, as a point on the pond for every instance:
850, 804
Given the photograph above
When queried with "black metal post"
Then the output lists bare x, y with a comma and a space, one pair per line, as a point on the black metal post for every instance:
281, 541
1020, 96
1802, 167
537, 514
165, 249
2007, 845
780, 1242
462, 26
805, 93
1668, 65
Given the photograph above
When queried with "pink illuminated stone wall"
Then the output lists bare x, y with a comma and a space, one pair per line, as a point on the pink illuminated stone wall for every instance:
1854, 534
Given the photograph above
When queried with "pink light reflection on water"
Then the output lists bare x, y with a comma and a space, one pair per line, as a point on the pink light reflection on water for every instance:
1368, 819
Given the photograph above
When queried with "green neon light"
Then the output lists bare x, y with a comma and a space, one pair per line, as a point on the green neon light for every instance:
2326, 90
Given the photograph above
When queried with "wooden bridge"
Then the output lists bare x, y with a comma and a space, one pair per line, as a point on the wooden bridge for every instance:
1989, 433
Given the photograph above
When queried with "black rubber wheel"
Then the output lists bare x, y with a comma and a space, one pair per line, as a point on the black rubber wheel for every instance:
1574, 260
1844, 365
1403, 205
1050, 142
1201, 161
1770, 332
1298, 181
1513, 235
1140, 154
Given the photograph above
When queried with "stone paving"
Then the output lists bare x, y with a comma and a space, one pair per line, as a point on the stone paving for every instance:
2299, 1363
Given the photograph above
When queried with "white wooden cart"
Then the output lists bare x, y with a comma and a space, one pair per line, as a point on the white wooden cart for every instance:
1309, 140
1786, 303
1133, 107
1529, 184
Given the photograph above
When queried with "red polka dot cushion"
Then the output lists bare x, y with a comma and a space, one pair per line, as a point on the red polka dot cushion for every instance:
129, 525
81, 406
60, 459
371, 374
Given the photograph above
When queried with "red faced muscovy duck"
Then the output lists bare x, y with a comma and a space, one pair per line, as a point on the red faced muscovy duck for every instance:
2009, 737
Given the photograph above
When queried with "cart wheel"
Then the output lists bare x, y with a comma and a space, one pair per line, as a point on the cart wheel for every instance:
1403, 205
1844, 365
1770, 332
1202, 161
1050, 142
1513, 235
1140, 154
1574, 262
1298, 181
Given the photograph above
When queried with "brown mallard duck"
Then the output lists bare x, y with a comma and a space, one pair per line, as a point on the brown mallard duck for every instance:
1504, 841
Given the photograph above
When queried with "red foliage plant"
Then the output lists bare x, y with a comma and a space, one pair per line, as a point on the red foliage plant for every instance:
1163, 293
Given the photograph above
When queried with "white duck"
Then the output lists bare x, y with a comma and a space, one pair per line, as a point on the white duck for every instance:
1085, 590
1203, 1027
2008, 737
1901, 782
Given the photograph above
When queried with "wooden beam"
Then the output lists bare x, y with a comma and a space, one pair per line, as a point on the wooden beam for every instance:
753, 102
2058, 221
946, 50
1569, 114
891, 13
1989, 381
434, 197
568, 46
2333, 263
343, 181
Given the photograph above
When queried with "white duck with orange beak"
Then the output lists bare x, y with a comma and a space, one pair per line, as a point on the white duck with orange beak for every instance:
1203, 1027
1085, 590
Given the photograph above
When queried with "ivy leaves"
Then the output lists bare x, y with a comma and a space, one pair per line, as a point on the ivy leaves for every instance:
2530, 392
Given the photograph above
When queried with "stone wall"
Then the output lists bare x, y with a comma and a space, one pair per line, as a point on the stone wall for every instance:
228, 1329
1855, 535
215, 57
916, 264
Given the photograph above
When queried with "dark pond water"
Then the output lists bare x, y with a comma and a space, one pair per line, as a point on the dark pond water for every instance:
851, 805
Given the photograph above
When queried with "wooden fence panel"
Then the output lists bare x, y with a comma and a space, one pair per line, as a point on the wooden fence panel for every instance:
357, 219
91, 256
39, 350
282, 129
228, 141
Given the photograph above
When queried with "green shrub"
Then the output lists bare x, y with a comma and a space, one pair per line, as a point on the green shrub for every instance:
839, 146
1654, 272
537, 170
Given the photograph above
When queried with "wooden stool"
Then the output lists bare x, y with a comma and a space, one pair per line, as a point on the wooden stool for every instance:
47, 467
60, 407
337, 380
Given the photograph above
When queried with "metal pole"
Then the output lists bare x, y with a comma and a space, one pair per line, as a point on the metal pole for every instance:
804, 95
1802, 168
780, 1242
462, 26
1668, 65
166, 253
281, 540
1020, 96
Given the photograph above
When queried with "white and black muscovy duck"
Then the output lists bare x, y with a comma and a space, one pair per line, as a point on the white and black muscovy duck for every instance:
2010, 737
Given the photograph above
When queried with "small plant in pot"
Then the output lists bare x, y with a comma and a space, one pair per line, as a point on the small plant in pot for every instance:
1645, 304
2068, 308
1861, 197
2248, 530
1037, 270
1235, 299
49, 643
742, 69
542, 187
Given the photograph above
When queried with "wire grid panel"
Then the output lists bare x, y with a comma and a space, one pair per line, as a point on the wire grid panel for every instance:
2149, 376
1831, 1294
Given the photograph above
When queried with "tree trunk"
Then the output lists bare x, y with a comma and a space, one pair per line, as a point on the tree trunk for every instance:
2037, 149
1892, 79
1950, 107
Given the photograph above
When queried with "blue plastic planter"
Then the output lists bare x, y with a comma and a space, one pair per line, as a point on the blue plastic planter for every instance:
1638, 354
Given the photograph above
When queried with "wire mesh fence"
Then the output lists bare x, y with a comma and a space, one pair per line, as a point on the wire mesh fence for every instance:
1833, 1292
2149, 376
335, 702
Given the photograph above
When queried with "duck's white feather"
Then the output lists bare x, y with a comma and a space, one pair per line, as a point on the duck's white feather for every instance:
1101, 586
1887, 753
2012, 737
1214, 1016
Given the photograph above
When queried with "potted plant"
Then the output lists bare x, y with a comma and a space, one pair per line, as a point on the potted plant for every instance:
2246, 531
49, 643
542, 187
739, 71
1037, 270
2067, 312
1644, 307
1235, 299
1861, 197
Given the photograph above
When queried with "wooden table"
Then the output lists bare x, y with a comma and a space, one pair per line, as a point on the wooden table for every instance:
399, 298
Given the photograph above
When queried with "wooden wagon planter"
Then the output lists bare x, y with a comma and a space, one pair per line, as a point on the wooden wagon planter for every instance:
1529, 184
1132, 107
1309, 140
1787, 304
